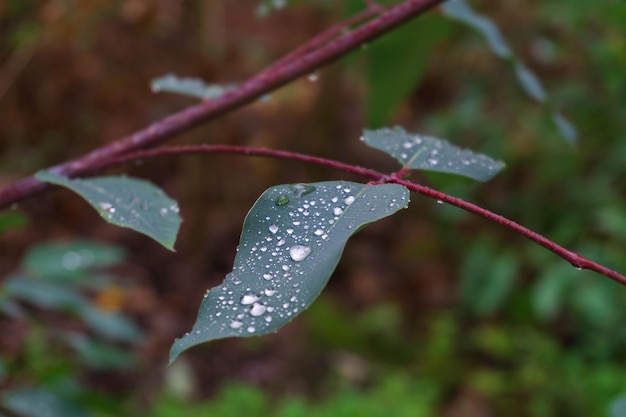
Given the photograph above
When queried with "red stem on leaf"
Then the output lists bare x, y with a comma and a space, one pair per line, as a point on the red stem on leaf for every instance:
576, 260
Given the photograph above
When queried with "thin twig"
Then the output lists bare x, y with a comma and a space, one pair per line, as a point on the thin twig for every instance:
576, 260
247, 92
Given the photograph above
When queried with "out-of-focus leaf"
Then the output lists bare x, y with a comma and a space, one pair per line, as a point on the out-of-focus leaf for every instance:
46, 295
126, 202
41, 403
75, 257
395, 63
550, 291
566, 128
291, 242
193, 87
98, 355
530, 83
461, 11
618, 407
487, 278
51, 295
110, 324
431, 154
12, 220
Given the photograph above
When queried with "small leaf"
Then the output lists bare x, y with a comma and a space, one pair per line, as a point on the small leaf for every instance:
566, 128
431, 154
64, 259
127, 202
461, 11
38, 402
291, 242
193, 87
530, 83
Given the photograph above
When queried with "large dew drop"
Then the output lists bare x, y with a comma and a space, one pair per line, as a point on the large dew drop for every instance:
299, 252
302, 189
257, 310
249, 298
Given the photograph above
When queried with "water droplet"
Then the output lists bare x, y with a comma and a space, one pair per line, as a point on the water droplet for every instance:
251, 329
273, 229
439, 202
313, 77
105, 206
285, 268
249, 298
337, 211
281, 200
257, 310
299, 252
407, 145
349, 200
235, 324
197, 332
289, 231
269, 292
163, 212
302, 189
318, 232
267, 276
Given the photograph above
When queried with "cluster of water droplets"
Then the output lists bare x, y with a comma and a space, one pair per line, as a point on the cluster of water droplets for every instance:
267, 280
131, 209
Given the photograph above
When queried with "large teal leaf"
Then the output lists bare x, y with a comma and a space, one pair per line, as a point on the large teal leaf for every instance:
126, 202
431, 154
291, 242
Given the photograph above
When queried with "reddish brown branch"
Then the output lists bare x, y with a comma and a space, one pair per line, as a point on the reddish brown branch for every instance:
576, 260
250, 90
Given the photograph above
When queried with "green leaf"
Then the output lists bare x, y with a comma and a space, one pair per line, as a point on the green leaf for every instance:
46, 295
487, 277
461, 11
193, 87
97, 354
57, 296
126, 202
431, 154
396, 62
291, 242
40, 402
618, 407
12, 220
76, 257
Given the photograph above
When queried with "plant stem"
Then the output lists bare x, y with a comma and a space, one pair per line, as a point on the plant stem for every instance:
576, 260
247, 92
